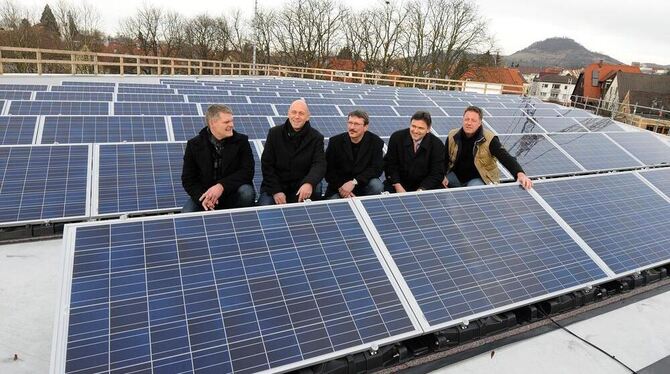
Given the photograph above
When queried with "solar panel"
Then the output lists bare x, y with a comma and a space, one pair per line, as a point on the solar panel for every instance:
599, 124
305, 94
373, 110
23, 87
186, 127
142, 85
573, 112
73, 96
414, 102
339, 95
138, 177
538, 156
315, 110
454, 111
58, 108
513, 125
489, 105
197, 91
644, 145
240, 109
617, 215
90, 83
442, 125
500, 112
532, 112
230, 292
327, 126
146, 90
271, 100
329, 100
558, 124
150, 98
155, 109
82, 89
594, 151
660, 178
103, 129
17, 130
15, 95
219, 99
43, 183
470, 252
410, 110
366, 101
258, 172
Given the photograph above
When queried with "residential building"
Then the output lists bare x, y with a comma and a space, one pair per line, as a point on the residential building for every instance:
555, 88
510, 80
588, 89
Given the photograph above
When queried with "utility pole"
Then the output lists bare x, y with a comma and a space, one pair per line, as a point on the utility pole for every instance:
255, 25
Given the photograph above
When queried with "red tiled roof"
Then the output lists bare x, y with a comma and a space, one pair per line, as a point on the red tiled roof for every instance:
604, 71
494, 75
345, 64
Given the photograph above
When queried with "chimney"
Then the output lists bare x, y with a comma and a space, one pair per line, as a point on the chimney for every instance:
600, 63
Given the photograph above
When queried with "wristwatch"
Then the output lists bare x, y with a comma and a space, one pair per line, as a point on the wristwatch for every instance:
354, 181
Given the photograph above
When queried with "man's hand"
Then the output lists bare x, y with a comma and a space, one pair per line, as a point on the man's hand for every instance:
280, 198
525, 182
304, 192
399, 188
445, 182
346, 189
210, 198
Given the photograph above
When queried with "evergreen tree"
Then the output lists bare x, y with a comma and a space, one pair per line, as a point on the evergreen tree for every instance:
48, 21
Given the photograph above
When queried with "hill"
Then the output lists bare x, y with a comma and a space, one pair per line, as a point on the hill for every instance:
563, 52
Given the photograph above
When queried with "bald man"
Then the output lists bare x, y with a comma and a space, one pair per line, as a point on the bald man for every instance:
293, 161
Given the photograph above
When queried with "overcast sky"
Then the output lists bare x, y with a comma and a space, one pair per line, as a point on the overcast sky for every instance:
623, 29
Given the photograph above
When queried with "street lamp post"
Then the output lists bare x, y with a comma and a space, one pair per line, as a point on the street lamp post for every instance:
255, 25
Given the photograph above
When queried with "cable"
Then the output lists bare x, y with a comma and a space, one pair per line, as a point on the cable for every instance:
586, 341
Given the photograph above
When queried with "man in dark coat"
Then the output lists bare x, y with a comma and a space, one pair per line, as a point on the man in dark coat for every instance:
293, 162
415, 157
218, 166
355, 160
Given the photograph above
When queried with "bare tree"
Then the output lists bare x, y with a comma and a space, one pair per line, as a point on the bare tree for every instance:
172, 35
263, 26
143, 27
240, 35
208, 37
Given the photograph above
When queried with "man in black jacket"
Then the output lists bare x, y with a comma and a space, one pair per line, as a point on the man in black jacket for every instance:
218, 166
471, 153
293, 162
355, 160
415, 157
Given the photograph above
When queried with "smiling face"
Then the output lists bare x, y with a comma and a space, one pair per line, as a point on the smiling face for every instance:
471, 122
356, 128
222, 126
418, 129
298, 114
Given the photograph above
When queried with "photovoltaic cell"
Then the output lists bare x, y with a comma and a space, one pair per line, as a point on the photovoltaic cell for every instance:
660, 178
599, 124
454, 111
410, 110
644, 145
155, 109
365, 102
43, 183
15, 95
23, 87
186, 127
229, 292
327, 126
146, 90
82, 89
499, 112
139, 177
150, 98
17, 130
329, 100
218, 99
617, 215
573, 112
532, 112
372, 110
90, 83
594, 151
271, 100
513, 125
73, 96
538, 156
41, 108
470, 251
103, 129
247, 109
558, 124
442, 125
315, 110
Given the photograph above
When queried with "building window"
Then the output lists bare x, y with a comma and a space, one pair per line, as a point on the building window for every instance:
565, 87
594, 77
544, 85
651, 128
556, 86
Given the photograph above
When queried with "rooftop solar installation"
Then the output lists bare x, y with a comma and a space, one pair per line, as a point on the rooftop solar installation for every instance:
340, 95
364, 102
240, 291
414, 102
219, 99
532, 112
37, 108
142, 85
660, 178
442, 125
241, 109
328, 100
469, 252
146, 90
617, 215
600, 124
138, 177
89, 83
103, 129
82, 89
454, 111
23, 87
410, 110
17, 129
372, 110
327, 126
155, 109
538, 156
15, 95
513, 125
572, 112
258, 172
644, 145
150, 98
186, 127
303, 93
489, 105
270, 99
44, 183
314, 110
191, 91
73, 96
558, 124
501, 112
594, 151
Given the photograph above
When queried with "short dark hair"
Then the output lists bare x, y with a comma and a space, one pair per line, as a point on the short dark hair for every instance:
360, 114
475, 109
422, 115
214, 110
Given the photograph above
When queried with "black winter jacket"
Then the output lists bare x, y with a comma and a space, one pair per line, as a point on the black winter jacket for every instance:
423, 169
341, 164
286, 167
236, 167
